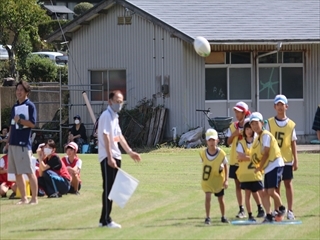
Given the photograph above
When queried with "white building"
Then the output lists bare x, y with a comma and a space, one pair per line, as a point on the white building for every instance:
138, 46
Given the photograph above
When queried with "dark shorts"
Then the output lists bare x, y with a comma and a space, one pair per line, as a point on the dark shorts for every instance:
252, 186
72, 189
232, 171
273, 178
287, 173
219, 194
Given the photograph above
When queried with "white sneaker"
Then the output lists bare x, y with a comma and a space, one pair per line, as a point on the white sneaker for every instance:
113, 225
290, 215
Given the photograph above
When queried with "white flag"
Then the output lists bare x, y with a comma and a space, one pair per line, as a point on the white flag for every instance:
123, 187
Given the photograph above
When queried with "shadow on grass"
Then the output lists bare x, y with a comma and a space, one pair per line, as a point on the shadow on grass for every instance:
52, 229
189, 221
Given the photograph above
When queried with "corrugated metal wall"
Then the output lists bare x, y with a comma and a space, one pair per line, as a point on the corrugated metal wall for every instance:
312, 84
146, 51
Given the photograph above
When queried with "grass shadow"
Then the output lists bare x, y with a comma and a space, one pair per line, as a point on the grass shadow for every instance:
52, 229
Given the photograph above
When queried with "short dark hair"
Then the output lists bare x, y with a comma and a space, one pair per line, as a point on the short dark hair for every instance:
25, 86
113, 93
5, 127
51, 143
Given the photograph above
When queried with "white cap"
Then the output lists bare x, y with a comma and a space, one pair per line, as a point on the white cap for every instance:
241, 107
41, 145
256, 116
73, 145
211, 134
246, 120
280, 98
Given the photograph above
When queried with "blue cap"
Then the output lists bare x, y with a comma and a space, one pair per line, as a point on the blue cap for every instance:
280, 98
256, 116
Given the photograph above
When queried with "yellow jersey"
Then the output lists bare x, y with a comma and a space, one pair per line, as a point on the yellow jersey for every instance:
213, 174
284, 137
245, 172
233, 150
256, 150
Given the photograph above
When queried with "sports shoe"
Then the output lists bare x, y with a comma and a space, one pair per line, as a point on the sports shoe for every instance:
224, 220
12, 196
113, 225
290, 215
207, 221
241, 214
261, 213
251, 219
55, 195
282, 211
268, 219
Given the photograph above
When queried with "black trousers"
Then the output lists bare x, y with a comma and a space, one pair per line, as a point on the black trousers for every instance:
108, 177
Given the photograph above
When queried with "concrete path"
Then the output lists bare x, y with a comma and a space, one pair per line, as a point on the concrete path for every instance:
310, 148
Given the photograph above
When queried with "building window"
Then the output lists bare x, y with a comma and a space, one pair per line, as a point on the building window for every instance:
292, 82
231, 69
103, 82
268, 82
216, 84
281, 72
240, 83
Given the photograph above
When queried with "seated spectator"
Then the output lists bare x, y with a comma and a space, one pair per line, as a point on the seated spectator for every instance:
5, 185
54, 177
77, 132
3, 137
73, 164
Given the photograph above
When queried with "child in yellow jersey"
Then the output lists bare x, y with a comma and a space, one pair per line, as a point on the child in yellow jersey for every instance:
266, 155
283, 129
234, 134
250, 181
214, 174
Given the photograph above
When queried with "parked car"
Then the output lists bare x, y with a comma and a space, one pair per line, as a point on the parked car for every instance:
4, 53
57, 57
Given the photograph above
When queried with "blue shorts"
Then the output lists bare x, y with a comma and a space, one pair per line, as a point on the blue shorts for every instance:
252, 186
273, 178
232, 171
287, 173
219, 194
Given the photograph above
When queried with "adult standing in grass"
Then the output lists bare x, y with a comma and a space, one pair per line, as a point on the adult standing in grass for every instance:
109, 136
23, 118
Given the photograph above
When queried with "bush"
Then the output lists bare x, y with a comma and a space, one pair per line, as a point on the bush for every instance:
5, 116
44, 29
81, 8
40, 69
4, 69
64, 74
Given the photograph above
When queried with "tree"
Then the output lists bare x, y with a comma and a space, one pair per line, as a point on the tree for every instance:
19, 26
81, 8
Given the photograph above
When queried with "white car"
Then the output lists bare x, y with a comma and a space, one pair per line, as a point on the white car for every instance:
57, 57
4, 53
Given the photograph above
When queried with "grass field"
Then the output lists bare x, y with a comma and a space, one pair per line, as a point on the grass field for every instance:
168, 204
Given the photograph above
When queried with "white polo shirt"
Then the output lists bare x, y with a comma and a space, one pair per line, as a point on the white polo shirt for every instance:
109, 124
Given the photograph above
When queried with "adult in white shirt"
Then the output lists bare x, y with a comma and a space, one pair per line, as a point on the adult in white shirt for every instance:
109, 135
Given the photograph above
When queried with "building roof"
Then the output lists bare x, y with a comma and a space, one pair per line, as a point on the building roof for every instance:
223, 21
57, 9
